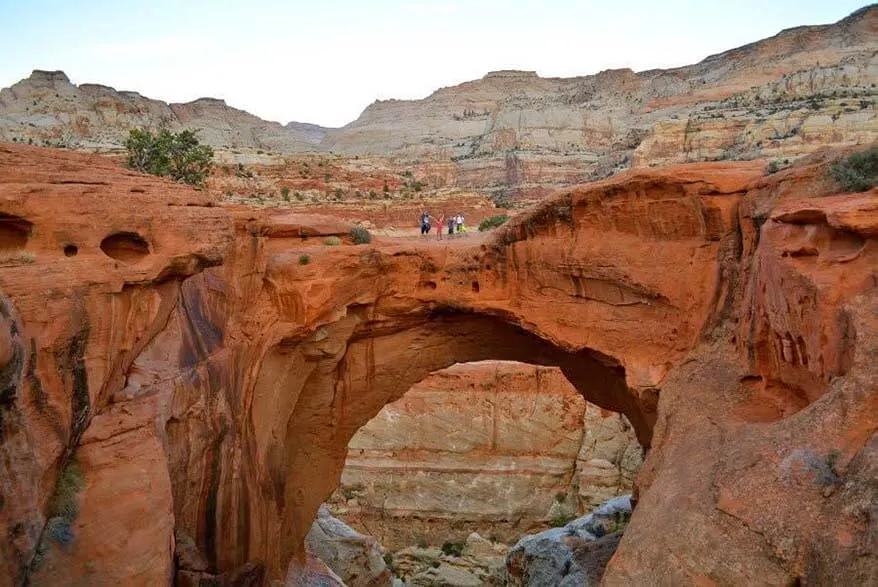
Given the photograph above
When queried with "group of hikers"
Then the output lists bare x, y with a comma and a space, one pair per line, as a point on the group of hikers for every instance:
454, 225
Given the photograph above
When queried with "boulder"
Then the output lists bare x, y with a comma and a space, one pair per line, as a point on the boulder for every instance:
357, 559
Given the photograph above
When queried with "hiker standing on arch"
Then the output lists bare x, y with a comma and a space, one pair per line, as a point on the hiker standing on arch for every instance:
425, 223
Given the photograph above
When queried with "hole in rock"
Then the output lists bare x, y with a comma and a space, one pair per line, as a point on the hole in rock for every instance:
475, 287
71, 250
14, 232
503, 449
128, 247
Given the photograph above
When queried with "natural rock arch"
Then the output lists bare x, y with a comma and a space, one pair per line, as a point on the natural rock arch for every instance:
375, 369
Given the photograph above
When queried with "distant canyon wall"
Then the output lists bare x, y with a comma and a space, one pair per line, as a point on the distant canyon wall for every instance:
498, 448
514, 134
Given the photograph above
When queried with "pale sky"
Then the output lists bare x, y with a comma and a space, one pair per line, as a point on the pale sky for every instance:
323, 61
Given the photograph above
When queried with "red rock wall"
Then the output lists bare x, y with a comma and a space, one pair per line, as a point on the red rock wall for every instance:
250, 378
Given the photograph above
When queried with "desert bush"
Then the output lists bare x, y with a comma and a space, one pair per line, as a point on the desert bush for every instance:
452, 548
178, 156
857, 172
332, 241
560, 520
17, 258
360, 236
304, 259
492, 222
285, 193
620, 521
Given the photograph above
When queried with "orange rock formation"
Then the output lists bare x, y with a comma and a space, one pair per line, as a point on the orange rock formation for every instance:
205, 380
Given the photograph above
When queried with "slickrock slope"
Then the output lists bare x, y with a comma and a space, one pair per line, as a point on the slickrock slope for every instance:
487, 447
47, 108
731, 317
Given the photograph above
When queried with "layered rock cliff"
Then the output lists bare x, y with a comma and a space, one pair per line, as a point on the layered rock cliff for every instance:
46, 108
514, 134
175, 373
492, 447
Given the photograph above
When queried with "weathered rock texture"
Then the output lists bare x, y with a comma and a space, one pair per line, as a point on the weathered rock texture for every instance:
514, 134
488, 446
185, 358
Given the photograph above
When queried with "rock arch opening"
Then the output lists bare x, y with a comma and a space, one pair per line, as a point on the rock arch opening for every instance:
473, 458
314, 393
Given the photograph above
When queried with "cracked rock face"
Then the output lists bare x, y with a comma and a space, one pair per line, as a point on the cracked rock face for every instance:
210, 385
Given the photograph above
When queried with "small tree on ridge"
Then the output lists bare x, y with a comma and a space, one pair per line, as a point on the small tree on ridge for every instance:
166, 154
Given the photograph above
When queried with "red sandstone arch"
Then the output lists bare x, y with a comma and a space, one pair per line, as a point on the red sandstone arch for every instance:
377, 369
229, 387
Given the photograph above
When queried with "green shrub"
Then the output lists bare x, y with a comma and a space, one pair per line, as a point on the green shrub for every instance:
772, 167
360, 235
304, 259
388, 559
178, 156
560, 520
452, 548
332, 241
492, 222
285, 193
858, 172
620, 521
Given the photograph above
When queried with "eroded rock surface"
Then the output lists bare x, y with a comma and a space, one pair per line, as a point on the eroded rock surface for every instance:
730, 316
